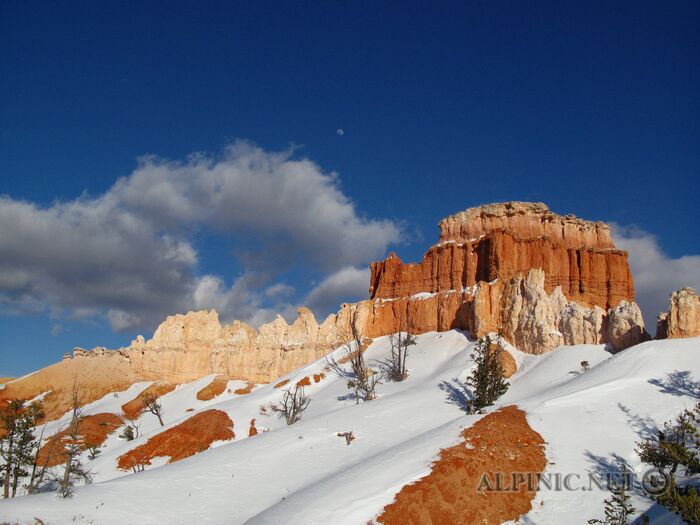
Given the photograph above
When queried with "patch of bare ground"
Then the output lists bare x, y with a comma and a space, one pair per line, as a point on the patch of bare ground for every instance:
94, 430
133, 408
304, 381
95, 379
501, 442
194, 435
215, 388
281, 383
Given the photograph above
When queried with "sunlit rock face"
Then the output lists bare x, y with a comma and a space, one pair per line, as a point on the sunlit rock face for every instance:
683, 316
539, 278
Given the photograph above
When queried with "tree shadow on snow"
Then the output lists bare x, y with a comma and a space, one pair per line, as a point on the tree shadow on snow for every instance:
609, 469
644, 426
606, 466
350, 396
457, 394
678, 383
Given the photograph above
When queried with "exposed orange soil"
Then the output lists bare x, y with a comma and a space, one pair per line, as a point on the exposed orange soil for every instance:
304, 381
186, 439
252, 431
281, 383
247, 389
95, 379
133, 408
501, 442
318, 377
94, 430
213, 389
5, 379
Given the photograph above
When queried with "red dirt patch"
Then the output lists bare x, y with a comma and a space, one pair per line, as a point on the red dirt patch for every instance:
186, 439
245, 390
252, 431
319, 377
213, 389
281, 383
133, 408
304, 382
94, 429
500, 442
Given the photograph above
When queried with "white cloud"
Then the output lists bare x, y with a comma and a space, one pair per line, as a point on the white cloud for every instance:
347, 284
129, 254
656, 274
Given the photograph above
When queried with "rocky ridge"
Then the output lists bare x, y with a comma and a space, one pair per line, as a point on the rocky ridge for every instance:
538, 278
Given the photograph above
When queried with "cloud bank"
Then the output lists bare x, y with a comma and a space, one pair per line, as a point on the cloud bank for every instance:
656, 274
130, 255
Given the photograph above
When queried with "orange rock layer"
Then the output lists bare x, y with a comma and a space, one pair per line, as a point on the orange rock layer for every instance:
540, 278
587, 275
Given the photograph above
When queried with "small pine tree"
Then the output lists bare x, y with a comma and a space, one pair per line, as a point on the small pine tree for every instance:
18, 444
487, 379
127, 433
676, 451
618, 508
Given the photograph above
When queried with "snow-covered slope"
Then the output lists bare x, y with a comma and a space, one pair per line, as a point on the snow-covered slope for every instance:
306, 474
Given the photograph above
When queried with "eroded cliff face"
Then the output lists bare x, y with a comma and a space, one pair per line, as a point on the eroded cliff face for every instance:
195, 344
539, 278
500, 241
683, 316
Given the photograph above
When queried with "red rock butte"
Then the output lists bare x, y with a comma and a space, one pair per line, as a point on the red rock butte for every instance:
517, 268
500, 241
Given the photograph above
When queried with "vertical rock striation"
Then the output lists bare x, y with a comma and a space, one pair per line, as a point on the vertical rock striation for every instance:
682, 318
539, 278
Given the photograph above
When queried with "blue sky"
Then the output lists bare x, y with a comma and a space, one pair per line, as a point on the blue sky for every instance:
591, 107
